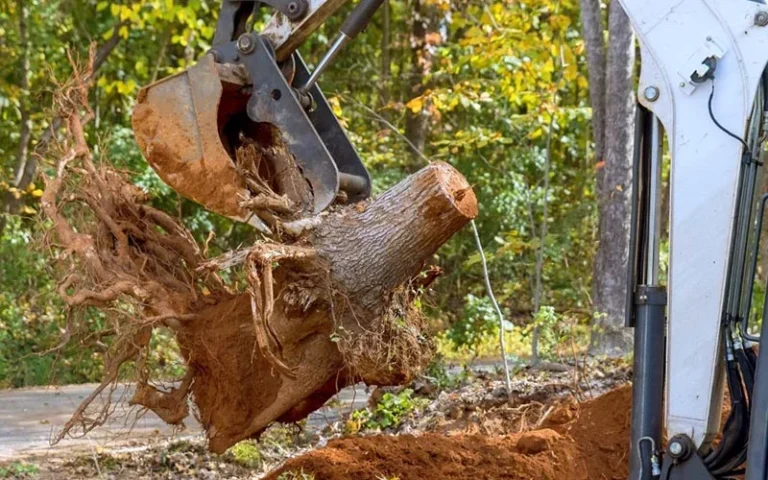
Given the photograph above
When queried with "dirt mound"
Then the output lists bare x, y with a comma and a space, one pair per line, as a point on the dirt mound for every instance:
579, 441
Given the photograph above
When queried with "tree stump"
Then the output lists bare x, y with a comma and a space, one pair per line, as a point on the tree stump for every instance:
326, 305
340, 314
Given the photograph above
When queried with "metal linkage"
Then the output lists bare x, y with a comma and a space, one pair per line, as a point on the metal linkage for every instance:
353, 25
682, 461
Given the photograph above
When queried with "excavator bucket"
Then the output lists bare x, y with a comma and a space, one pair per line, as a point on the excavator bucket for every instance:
192, 128
176, 122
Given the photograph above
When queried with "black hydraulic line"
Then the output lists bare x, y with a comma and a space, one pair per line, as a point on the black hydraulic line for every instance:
747, 370
746, 187
752, 355
751, 158
749, 201
730, 305
720, 125
752, 235
765, 90
734, 434
747, 375
638, 214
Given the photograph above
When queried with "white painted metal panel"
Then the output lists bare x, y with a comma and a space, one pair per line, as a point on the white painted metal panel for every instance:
676, 37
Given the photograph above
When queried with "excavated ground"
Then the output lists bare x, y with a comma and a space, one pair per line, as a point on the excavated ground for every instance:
575, 442
470, 429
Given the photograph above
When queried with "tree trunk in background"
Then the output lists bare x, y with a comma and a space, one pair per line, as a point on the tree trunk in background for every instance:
424, 25
22, 167
592, 31
762, 266
386, 55
613, 117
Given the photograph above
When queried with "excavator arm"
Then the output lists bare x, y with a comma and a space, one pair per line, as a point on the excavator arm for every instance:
703, 83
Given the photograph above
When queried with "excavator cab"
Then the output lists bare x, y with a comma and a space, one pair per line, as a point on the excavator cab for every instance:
249, 88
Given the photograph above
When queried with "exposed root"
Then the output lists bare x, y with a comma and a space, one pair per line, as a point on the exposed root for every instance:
258, 265
170, 405
278, 191
121, 255
393, 351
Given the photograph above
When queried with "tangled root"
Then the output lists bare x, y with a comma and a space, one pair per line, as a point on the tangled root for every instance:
394, 351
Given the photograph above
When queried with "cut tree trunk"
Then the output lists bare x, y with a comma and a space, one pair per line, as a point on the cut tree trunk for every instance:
340, 318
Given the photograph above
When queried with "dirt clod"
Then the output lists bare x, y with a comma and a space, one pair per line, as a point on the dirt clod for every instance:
537, 441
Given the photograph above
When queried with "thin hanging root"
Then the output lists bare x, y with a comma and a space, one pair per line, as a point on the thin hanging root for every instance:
258, 265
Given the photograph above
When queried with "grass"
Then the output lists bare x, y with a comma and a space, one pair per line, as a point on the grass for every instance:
246, 453
18, 470
516, 345
292, 475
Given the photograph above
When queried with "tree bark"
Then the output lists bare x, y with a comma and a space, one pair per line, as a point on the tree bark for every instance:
22, 156
613, 107
367, 256
614, 190
386, 55
424, 23
10, 202
592, 31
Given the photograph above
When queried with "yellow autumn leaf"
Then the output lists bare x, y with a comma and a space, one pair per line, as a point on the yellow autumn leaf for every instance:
37, 193
416, 104
536, 134
28, 210
335, 106
205, 291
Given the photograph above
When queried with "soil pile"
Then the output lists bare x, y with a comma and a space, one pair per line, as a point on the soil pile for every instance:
578, 442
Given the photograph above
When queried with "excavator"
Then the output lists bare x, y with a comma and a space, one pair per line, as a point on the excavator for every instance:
702, 94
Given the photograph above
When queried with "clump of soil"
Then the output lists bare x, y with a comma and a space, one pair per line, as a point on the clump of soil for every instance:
578, 442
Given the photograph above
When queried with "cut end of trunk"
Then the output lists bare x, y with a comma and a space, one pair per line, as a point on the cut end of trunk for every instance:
457, 189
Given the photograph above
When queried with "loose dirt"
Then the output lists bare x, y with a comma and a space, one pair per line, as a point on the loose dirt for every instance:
576, 441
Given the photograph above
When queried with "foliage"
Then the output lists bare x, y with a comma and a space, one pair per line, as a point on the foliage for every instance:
479, 321
551, 331
247, 453
391, 410
438, 375
32, 318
